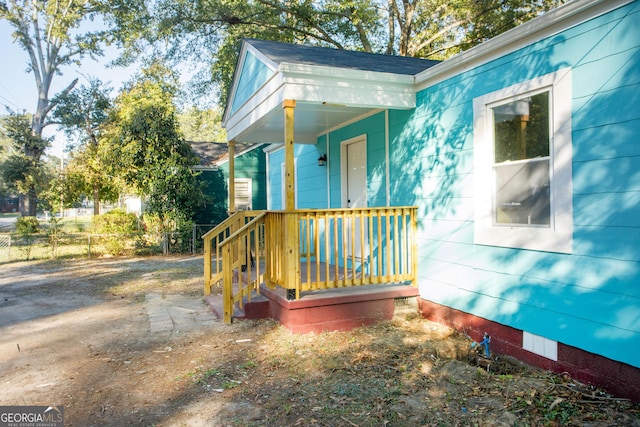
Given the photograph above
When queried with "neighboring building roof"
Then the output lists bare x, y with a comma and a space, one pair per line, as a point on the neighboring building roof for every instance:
213, 154
340, 58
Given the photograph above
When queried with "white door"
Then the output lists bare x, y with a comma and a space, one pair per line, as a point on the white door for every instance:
354, 167
354, 155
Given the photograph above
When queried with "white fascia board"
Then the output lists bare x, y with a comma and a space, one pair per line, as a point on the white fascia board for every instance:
354, 88
270, 148
320, 84
546, 25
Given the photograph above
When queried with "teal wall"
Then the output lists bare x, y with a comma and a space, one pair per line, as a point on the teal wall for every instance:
254, 74
590, 299
311, 191
252, 165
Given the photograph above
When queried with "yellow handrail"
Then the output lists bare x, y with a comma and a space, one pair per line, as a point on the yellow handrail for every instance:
241, 255
213, 272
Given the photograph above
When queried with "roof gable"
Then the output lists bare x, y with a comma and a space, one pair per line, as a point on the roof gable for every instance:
253, 74
269, 72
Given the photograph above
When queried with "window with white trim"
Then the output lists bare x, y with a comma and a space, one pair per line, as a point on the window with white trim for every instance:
243, 193
522, 159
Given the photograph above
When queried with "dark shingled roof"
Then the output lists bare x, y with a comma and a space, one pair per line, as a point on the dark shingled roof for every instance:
339, 58
212, 153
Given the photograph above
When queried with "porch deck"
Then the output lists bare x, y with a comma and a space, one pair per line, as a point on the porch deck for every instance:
304, 251
333, 309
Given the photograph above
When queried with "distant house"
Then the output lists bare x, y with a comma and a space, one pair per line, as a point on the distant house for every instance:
250, 178
521, 156
9, 204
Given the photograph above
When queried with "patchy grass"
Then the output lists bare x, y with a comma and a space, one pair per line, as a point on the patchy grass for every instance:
405, 372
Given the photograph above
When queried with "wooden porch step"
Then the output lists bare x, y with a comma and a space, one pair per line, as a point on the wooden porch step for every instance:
257, 308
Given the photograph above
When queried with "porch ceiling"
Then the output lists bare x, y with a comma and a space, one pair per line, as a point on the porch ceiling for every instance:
311, 120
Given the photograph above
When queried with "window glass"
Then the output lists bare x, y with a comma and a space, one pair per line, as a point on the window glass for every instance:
523, 191
521, 156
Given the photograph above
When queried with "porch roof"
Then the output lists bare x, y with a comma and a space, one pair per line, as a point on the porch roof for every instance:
331, 87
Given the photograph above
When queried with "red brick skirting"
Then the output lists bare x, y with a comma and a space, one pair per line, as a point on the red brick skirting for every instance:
618, 378
340, 309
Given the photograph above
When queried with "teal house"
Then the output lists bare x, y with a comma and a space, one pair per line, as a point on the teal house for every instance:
521, 156
213, 168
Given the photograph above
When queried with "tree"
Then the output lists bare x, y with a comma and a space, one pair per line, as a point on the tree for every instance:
22, 168
143, 145
81, 114
210, 31
202, 125
50, 33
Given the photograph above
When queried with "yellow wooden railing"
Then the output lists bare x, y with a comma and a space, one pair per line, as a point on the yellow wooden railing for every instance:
213, 270
331, 248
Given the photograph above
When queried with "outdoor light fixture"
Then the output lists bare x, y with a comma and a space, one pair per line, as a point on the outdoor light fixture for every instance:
322, 160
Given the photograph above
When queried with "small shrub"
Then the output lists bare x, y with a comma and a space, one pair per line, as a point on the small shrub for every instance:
26, 228
26, 225
122, 230
54, 232
116, 222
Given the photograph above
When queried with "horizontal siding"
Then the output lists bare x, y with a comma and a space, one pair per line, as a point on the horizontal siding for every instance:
590, 299
253, 75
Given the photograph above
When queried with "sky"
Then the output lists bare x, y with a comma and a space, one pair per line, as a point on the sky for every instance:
18, 88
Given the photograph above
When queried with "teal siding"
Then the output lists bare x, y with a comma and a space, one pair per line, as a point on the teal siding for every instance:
374, 129
590, 299
253, 75
252, 165
275, 179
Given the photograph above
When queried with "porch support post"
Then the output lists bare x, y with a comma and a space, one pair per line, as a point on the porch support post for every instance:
232, 180
289, 107
291, 231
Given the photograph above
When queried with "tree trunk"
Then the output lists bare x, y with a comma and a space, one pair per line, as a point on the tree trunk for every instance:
96, 200
27, 203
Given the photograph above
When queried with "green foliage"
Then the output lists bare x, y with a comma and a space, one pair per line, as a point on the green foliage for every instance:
26, 228
27, 225
23, 170
202, 125
54, 233
208, 33
143, 145
122, 230
51, 34
116, 221
81, 112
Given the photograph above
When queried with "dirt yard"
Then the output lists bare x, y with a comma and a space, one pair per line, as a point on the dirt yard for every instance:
122, 342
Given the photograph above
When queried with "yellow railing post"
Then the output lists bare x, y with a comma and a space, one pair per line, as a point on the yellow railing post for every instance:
291, 224
207, 265
227, 283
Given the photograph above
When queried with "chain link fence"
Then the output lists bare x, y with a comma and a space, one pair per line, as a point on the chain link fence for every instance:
5, 247
76, 245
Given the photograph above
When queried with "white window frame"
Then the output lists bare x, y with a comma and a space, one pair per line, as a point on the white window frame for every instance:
249, 195
558, 237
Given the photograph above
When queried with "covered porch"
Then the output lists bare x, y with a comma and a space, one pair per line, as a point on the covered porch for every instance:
290, 95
